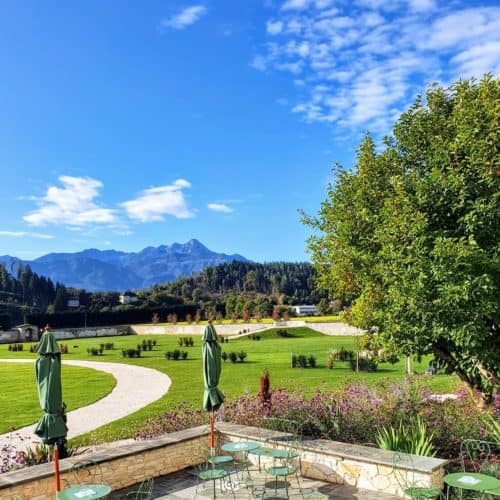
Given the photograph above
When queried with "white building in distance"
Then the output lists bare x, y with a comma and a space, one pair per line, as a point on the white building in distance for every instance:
305, 310
128, 298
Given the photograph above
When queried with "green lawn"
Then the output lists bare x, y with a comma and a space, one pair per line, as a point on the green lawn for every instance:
270, 352
19, 404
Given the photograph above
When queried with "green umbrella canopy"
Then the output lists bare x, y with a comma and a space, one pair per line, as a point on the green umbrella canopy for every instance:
212, 397
51, 428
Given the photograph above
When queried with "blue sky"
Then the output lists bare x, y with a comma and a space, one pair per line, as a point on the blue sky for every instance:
129, 124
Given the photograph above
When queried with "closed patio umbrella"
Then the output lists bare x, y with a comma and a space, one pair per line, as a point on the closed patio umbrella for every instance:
51, 428
212, 397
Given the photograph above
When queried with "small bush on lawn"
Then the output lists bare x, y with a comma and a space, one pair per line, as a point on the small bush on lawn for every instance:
303, 361
242, 355
364, 364
176, 354
283, 333
15, 347
186, 342
224, 356
233, 357
95, 351
131, 353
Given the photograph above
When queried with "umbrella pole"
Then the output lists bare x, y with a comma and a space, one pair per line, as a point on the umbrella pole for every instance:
56, 469
212, 434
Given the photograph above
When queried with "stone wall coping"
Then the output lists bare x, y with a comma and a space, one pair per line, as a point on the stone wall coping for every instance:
112, 453
348, 451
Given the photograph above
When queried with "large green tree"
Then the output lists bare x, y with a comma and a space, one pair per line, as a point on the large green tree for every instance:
411, 235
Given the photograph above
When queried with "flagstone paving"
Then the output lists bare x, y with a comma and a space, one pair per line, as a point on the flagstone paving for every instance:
184, 485
135, 388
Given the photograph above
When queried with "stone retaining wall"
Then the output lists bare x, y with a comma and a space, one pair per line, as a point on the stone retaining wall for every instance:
333, 328
360, 466
196, 329
117, 467
122, 466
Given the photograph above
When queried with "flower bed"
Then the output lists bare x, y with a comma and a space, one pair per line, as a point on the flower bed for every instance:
351, 415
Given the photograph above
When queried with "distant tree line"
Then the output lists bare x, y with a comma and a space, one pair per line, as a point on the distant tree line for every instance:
231, 290
77, 319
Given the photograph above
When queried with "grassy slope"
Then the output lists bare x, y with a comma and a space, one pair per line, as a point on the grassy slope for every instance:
19, 404
271, 352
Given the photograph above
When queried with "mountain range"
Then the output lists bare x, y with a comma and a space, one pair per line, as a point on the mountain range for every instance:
112, 270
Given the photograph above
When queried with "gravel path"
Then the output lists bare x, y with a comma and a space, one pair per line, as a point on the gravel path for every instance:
135, 388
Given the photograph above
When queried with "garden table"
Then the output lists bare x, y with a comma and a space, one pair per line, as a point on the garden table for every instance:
474, 482
84, 492
241, 447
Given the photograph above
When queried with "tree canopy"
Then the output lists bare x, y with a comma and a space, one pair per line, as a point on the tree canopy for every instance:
411, 235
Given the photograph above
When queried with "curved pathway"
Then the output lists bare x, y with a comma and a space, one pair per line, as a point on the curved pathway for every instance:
135, 388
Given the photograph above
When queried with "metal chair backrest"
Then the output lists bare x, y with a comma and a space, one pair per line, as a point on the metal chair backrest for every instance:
145, 491
411, 483
283, 425
480, 456
86, 472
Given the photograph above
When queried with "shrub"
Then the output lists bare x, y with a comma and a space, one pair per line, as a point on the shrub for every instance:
242, 355
344, 354
224, 356
131, 353
302, 361
364, 364
176, 354
330, 361
410, 438
311, 360
233, 357
95, 351
283, 333
15, 347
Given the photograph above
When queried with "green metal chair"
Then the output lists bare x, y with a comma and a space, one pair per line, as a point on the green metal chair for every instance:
408, 482
144, 492
275, 424
482, 457
214, 469
285, 458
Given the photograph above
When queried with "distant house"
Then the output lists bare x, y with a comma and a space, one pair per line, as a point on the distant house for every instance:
128, 298
305, 310
27, 332
73, 302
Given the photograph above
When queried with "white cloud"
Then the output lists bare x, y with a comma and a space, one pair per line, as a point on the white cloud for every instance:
274, 27
25, 234
361, 63
479, 59
421, 5
459, 28
220, 207
154, 203
72, 204
185, 18
295, 4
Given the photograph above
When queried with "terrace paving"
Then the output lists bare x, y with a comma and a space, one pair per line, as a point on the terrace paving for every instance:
184, 485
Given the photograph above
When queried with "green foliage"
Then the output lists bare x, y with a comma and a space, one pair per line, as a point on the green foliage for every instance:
492, 426
411, 239
364, 364
411, 438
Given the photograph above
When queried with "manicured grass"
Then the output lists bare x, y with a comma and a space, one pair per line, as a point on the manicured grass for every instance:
270, 352
19, 405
